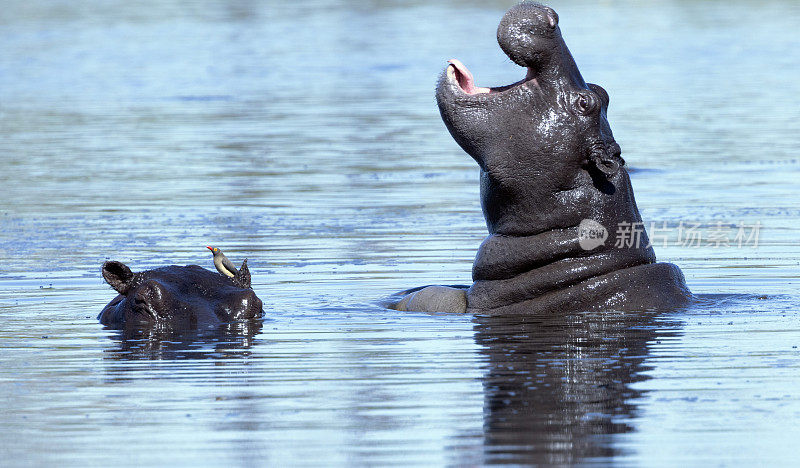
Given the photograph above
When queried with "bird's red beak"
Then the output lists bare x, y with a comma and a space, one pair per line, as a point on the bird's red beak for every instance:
209, 247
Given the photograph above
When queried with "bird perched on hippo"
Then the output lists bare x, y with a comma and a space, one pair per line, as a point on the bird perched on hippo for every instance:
179, 296
554, 188
222, 264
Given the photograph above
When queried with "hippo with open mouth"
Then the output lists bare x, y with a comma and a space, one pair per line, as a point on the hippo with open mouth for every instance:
564, 229
183, 297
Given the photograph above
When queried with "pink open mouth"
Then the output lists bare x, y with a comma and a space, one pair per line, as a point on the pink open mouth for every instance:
457, 72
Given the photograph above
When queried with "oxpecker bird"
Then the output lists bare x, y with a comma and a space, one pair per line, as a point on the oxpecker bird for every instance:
222, 263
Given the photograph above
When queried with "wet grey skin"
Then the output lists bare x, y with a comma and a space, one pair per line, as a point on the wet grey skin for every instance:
184, 297
221, 262
548, 161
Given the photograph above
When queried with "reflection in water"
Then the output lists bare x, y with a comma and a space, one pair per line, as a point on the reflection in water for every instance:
559, 386
224, 341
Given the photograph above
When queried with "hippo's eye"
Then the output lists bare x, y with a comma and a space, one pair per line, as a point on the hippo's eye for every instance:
600, 92
586, 103
141, 306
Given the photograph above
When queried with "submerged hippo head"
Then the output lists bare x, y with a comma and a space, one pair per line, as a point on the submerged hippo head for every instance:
538, 139
180, 296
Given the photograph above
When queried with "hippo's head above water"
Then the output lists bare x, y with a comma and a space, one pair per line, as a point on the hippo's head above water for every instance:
564, 229
535, 139
178, 296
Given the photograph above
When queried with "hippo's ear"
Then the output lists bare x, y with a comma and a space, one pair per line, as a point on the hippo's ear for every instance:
608, 166
118, 275
242, 277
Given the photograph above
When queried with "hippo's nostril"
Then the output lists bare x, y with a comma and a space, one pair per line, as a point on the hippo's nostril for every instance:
552, 17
